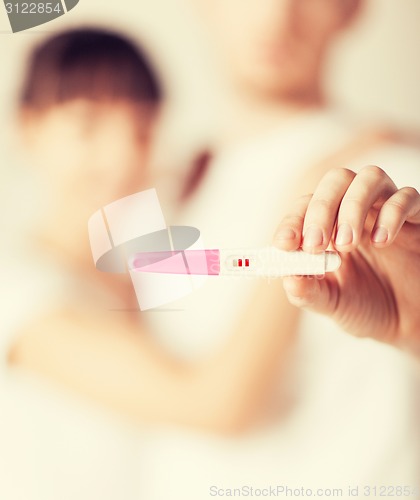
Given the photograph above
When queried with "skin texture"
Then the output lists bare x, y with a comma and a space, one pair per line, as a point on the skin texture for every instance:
376, 229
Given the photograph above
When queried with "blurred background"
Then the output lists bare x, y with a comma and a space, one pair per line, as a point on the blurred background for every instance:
374, 69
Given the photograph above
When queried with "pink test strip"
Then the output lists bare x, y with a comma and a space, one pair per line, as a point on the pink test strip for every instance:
201, 262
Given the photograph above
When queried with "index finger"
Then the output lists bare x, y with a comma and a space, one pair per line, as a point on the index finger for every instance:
323, 204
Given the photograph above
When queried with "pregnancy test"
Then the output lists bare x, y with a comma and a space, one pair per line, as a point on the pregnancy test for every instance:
265, 262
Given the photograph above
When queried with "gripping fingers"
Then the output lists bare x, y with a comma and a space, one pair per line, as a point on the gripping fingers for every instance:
370, 185
289, 233
314, 215
344, 199
322, 210
403, 206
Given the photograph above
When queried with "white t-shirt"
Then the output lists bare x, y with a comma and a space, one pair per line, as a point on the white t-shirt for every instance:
353, 419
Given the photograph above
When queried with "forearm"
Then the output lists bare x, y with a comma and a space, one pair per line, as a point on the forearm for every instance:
238, 376
121, 367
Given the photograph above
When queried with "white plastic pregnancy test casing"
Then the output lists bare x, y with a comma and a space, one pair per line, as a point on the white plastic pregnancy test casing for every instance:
272, 262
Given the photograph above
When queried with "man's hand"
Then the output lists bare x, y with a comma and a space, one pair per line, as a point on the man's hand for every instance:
376, 228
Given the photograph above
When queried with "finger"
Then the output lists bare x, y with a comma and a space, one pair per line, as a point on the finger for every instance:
369, 186
288, 235
322, 211
319, 295
403, 206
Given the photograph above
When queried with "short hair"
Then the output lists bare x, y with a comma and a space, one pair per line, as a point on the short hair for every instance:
88, 63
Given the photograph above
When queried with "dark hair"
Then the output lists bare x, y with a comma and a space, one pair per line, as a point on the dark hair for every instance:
90, 63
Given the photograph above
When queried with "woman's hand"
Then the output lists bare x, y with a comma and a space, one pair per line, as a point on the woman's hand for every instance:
376, 228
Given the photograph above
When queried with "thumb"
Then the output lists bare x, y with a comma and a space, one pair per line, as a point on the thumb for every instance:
319, 294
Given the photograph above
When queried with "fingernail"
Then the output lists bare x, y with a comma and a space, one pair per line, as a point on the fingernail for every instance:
313, 237
380, 235
285, 234
344, 234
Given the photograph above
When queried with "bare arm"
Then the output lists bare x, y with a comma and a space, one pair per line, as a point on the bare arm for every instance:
118, 365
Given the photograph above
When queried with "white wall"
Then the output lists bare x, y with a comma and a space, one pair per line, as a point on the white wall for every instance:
377, 65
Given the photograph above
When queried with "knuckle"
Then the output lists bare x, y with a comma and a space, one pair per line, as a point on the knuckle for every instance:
398, 206
305, 198
323, 204
373, 171
352, 207
291, 220
410, 192
341, 172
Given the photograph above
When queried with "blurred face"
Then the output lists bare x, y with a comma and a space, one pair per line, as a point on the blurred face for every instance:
94, 150
88, 154
277, 46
